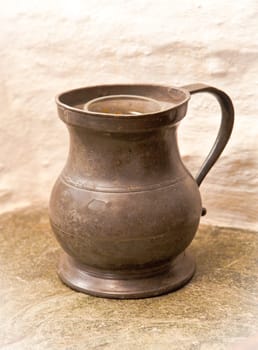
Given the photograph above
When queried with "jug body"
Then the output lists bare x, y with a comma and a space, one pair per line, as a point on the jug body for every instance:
124, 201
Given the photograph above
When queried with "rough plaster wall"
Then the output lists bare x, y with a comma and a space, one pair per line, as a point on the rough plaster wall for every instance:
50, 46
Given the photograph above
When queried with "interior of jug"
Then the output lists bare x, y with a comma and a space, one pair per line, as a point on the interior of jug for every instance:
122, 105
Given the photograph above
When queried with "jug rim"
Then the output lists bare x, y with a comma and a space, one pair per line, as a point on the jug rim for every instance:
173, 99
60, 98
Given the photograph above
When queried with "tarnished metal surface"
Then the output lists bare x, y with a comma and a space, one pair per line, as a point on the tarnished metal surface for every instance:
124, 202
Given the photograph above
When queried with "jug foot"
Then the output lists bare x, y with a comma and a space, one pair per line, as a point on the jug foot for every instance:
77, 277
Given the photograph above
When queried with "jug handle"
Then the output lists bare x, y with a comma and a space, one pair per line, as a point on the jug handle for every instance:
226, 126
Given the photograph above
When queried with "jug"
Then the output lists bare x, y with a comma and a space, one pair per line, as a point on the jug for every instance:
125, 208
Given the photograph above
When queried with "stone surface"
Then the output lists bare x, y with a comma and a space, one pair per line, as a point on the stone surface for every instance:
217, 309
50, 46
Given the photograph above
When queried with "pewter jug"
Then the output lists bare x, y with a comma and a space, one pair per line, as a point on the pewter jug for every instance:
125, 208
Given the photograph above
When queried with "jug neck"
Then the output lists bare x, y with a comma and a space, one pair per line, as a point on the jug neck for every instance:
120, 162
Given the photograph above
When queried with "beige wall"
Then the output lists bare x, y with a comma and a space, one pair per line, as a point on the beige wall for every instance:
50, 46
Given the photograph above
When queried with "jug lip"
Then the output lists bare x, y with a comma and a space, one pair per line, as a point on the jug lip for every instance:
173, 99
60, 99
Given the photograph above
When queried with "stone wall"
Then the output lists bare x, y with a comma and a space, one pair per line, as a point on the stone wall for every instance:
50, 46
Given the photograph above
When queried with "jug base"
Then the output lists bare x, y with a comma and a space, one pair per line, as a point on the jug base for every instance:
77, 277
